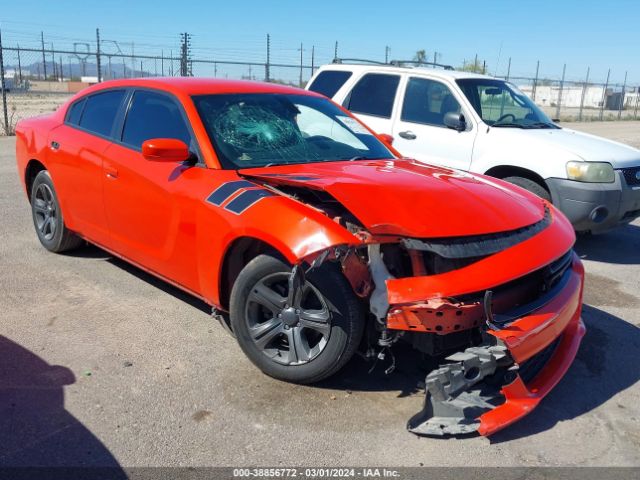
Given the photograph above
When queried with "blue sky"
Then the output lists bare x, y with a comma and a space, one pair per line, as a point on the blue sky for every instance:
583, 34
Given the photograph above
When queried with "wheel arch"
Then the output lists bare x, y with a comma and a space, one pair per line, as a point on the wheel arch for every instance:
237, 255
34, 166
503, 171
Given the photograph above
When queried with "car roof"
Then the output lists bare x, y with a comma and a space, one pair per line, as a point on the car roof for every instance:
198, 86
432, 72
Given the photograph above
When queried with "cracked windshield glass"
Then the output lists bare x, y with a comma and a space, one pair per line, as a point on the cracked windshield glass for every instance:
261, 130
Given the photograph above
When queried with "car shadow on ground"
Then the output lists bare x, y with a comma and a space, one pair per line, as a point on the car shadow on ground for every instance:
92, 251
35, 428
621, 246
605, 365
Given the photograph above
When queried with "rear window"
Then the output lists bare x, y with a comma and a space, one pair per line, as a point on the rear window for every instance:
75, 111
373, 95
100, 111
329, 82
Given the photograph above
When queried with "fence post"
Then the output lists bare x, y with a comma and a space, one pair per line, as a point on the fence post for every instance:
604, 96
4, 91
559, 105
162, 62
508, 69
44, 60
267, 73
301, 50
98, 55
635, 110
624, 87
584, 92
335, 51
313, 58
535, 82
61, 70
19, 67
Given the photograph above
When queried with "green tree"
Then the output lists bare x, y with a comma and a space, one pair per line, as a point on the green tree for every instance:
475, 66
420, 56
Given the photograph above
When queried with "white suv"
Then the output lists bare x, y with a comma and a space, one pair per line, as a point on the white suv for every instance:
486, 125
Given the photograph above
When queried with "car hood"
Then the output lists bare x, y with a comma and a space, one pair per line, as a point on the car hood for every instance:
405, 197
574, 145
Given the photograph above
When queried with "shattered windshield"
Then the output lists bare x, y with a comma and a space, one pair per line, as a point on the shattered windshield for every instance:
257, 130
501, 104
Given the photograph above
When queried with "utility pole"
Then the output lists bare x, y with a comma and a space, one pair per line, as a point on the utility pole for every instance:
267, 73
185, 57
301, 50
4, 90
98, 55
44, 60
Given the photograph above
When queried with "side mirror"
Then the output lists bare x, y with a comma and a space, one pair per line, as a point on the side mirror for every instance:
165, 150
455, 121
385, 138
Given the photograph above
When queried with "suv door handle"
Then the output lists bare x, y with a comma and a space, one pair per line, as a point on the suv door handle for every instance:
408, 135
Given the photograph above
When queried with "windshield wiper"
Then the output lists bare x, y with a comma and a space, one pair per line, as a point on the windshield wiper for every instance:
508, 125
541, 125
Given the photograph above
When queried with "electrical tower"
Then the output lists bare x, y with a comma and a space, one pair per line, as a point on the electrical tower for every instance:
186, 63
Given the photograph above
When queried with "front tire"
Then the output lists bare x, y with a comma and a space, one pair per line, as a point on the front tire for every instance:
302, 343
47, 216
531, 186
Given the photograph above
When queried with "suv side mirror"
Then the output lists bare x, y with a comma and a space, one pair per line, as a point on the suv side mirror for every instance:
165, 150
455, 121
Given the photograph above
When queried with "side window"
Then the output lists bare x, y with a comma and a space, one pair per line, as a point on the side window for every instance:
153, 115
427, 102
100, 111
373, 95
329, 82
75, 111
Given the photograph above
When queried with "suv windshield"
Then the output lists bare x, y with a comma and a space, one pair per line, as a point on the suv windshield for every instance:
502, 104
259, 130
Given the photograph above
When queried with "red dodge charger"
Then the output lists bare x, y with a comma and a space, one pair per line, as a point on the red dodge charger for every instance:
312, 238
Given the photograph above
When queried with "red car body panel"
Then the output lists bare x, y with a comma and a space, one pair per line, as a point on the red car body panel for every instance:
156, 215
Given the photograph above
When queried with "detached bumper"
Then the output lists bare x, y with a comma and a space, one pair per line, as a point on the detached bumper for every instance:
487, 388
596, 207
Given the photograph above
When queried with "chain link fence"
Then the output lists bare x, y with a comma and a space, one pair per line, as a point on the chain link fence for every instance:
39, 78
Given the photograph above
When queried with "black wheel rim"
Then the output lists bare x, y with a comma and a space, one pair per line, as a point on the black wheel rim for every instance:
287, 334
46, 212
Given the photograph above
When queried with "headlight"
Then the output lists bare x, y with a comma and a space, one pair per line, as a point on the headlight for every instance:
592, 172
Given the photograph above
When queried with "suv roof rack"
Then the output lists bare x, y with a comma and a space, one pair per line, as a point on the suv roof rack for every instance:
392, 63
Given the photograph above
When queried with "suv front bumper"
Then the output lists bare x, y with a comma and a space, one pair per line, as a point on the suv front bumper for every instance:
596, 207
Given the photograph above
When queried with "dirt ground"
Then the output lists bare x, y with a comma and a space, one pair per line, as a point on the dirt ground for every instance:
110, 366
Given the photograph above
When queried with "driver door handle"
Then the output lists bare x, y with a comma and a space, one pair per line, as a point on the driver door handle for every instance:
408, 135
111, 172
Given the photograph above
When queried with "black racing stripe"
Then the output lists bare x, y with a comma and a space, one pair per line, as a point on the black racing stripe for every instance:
224, 191
246, 199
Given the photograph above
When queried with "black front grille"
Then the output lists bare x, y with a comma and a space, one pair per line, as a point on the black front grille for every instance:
631, 175
532, 367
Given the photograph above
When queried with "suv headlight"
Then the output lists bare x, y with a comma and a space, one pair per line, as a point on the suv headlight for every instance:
592, 172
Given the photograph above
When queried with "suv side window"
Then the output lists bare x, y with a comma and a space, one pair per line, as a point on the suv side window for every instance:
427, 101
75, 111
153, 115
373, 95
328, 82
100, 111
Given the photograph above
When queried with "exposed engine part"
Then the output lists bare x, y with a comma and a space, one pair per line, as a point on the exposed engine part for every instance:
438, 315
378, 303
357, 272
455, 398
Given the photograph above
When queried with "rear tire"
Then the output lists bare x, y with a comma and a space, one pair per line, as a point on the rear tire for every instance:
531, 186
47, 216
302, 344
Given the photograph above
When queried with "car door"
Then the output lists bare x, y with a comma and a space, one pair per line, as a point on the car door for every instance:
144, 200
419, 130
77, 152
372, 100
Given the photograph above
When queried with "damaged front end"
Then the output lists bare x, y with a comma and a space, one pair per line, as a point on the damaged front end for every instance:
502, 310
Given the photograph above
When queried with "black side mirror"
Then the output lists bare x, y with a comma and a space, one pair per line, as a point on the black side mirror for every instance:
455, 121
